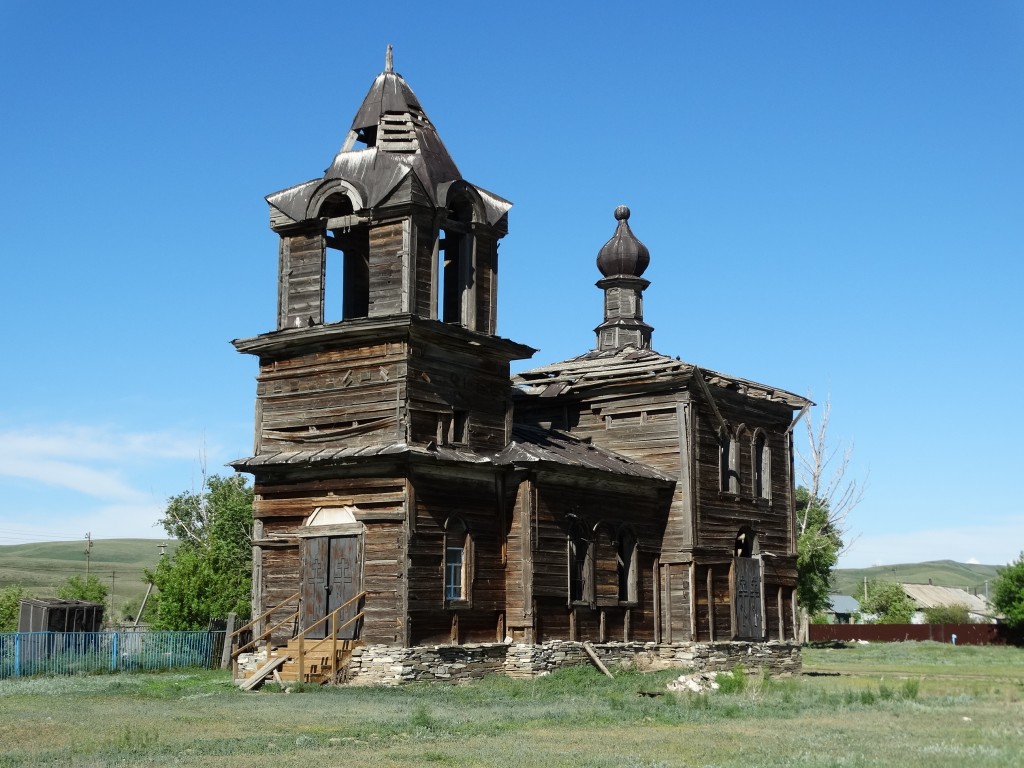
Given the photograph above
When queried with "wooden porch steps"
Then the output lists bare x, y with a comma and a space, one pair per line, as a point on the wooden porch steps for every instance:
318, 666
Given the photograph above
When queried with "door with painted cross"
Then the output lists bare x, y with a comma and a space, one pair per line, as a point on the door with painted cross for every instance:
331, 577
749, 624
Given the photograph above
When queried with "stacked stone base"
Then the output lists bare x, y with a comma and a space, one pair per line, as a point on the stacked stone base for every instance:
393, 665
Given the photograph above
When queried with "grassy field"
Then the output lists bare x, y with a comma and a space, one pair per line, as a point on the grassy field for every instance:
42, 567
879, 705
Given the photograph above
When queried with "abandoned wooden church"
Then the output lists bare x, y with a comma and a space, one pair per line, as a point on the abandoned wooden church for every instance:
410, 493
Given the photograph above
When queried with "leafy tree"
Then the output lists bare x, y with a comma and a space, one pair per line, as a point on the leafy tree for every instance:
824, 500
10, 597
958, 613
818, 547
90, 589
210, 573
1009, 595
888, 601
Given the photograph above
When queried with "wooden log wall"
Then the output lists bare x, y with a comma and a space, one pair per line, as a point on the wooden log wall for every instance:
644, 427
340, 397
473, 499
283, 503
676, 603
446, 377
389, 244
721, 515
300, 280
601, 505
485, 280
519, 558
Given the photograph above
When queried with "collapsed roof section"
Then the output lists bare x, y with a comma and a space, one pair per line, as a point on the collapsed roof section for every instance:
530, 446
630, 366
391, 138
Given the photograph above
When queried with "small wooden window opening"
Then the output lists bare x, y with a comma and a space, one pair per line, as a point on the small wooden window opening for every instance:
762, 466
627, 566
348, 243
746, 543
581, 564
453, 428
455, 248
728, 462
458, 559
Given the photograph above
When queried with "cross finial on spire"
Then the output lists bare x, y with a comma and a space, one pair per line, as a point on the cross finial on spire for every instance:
389, 64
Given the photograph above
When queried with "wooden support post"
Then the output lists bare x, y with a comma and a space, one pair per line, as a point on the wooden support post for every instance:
658, 586
668, 603
627, 625
732, 600
229, 629
792, 599
334, 643
711, 604
693, 601
597, 662
601, 637
572, 624
782, 616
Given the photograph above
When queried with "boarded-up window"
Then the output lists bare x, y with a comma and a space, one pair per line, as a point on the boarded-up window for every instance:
581, 585
626, 561
762, 461
728, 462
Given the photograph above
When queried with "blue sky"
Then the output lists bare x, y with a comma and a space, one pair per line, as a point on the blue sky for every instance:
832, 194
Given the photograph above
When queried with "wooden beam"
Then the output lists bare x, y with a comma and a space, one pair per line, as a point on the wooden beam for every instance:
597, 662
711, 604
698, 376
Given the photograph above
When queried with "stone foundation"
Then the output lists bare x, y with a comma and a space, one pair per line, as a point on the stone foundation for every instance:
392, 665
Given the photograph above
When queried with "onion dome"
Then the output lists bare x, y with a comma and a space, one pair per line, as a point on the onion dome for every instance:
623, 254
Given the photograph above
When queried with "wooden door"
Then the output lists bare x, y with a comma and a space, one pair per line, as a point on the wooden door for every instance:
747, 598
331, 576
346, 582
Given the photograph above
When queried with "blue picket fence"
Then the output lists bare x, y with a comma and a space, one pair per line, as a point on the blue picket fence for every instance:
69, 653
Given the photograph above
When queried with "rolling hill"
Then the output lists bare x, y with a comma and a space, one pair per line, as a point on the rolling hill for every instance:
41, 568
944, 573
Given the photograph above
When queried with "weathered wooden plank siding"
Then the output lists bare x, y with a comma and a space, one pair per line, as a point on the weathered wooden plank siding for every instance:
473, 500
643, 427
721, 514
604, 506
387, 246
423, 267
443, 380
342, 397
484, 276
301, 286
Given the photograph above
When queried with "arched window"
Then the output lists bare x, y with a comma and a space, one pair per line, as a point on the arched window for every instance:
761, 460
458, 561
627, 566
581, 566
728, 461
746, 543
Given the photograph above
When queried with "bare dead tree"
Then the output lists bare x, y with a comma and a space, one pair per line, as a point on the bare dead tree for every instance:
822, 469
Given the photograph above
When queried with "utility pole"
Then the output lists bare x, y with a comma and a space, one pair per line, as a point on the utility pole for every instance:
112, 614
865, 587
88, 553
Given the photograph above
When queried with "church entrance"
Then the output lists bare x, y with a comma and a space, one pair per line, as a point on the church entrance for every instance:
331, 576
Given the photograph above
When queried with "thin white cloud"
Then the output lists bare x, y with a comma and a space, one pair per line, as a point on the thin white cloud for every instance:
114, 483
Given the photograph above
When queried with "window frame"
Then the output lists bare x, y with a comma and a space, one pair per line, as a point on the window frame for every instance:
457, 537
579, 565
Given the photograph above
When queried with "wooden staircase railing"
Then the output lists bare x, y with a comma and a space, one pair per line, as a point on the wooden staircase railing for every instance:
267, 632
332, 617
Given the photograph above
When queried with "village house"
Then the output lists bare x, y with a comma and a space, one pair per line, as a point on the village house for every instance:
410, 493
